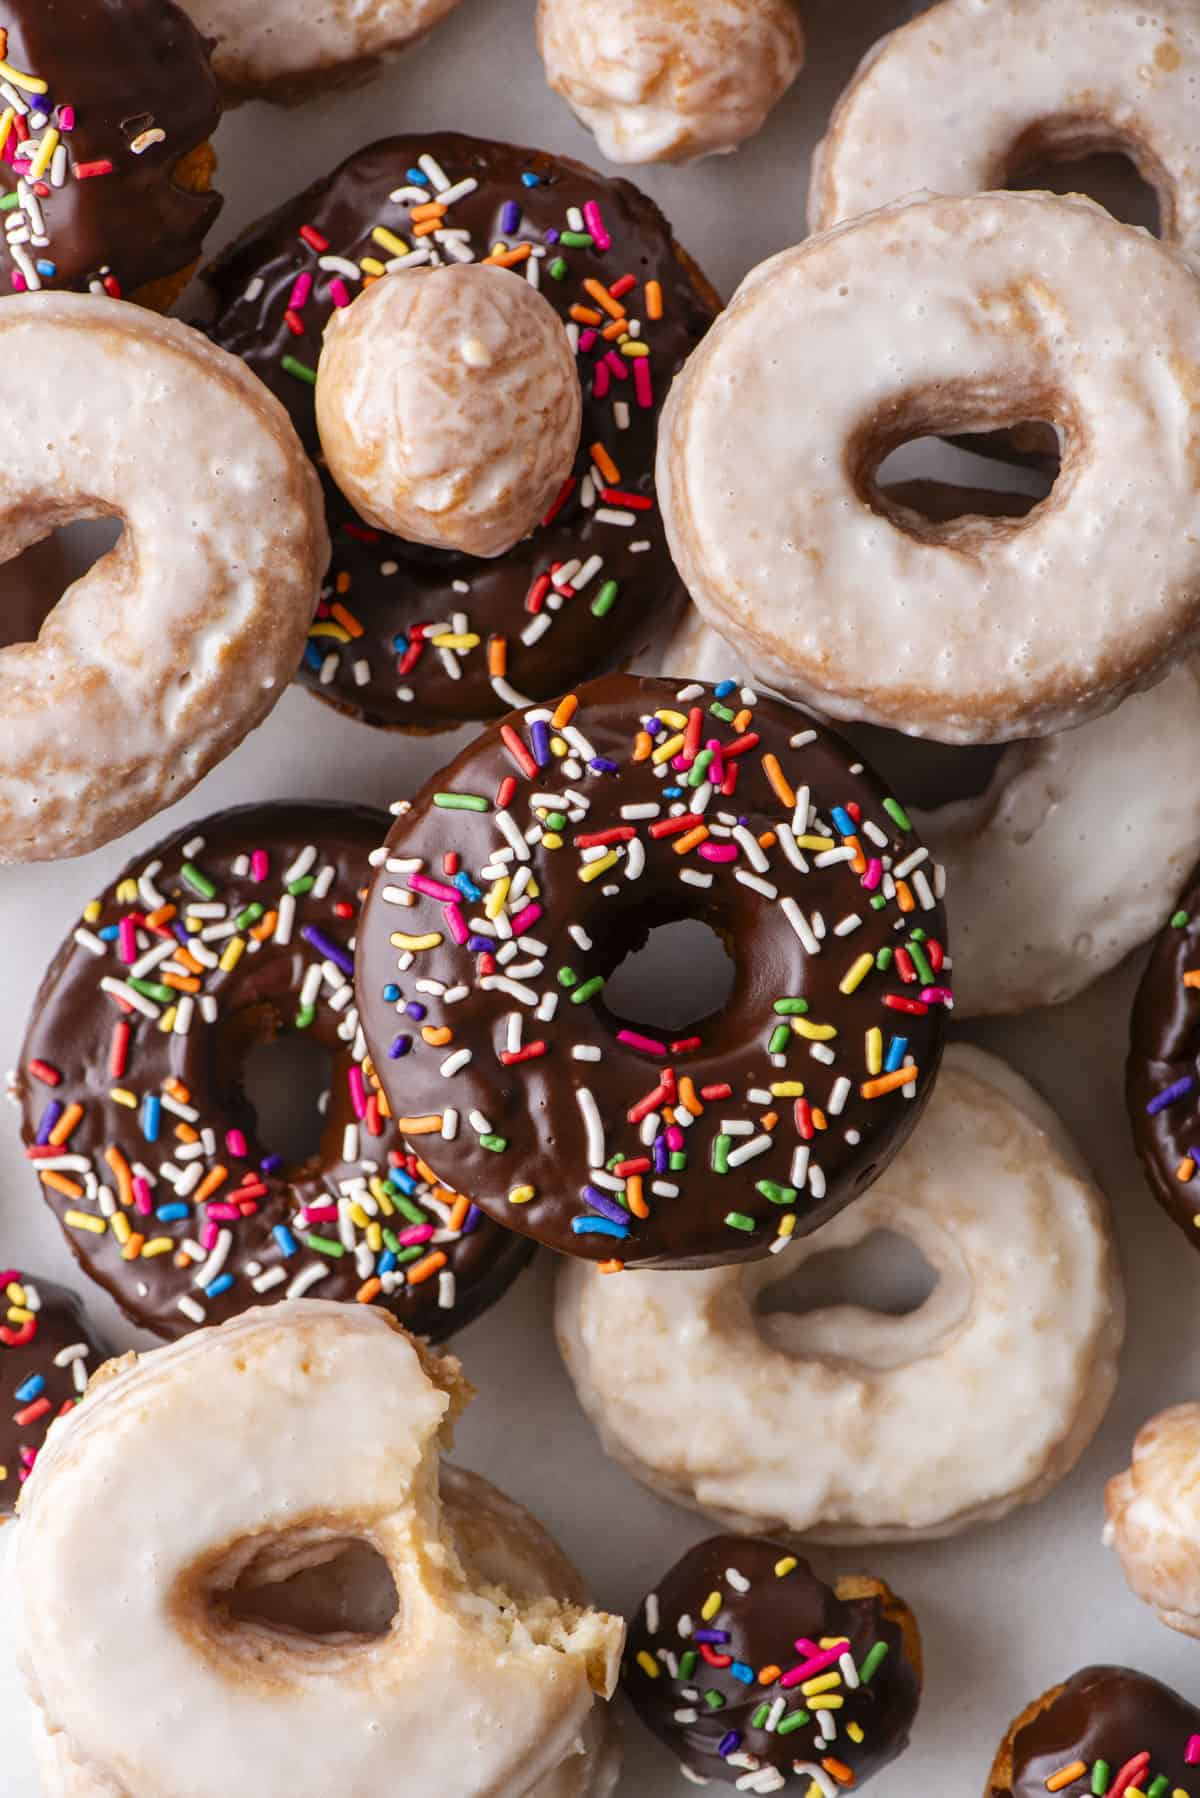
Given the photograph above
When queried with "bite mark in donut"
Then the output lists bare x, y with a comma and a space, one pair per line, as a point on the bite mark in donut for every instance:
48, 1352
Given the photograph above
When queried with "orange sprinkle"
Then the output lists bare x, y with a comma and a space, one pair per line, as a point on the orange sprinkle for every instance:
687, 1095
603, 298
437, 1036
689, 839
65, 1124
346, 619
342, 583
1059, 1781
779, 781
120, 1168
133, 1247
216, 1176
182, 983
1186, 1169
742, 721
887, 1083
424, 1126
507, 259
188, 960
610, 1267
605, 464
859, 863
767, 840
643, 745
633, 1196
770, 1120
586, 315
422, 1270
370, 1291
839, 1770
458, 1213
265, 927
178, 1090
70, 1189
432, 209
185, 1132
618, 328
769, 1675
426, 1172
497, 655
564, 711
904, 898
1192, 977
181, 1260
163, 915
819, 1120
654, 299
426, 228
385, 1109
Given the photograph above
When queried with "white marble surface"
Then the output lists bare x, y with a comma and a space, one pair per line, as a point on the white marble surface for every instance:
1005, 1610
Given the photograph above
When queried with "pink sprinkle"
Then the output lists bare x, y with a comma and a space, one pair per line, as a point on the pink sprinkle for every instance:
208, 1236
636, 1040
127, 938
66, 118
600, 381
587, 339
595, 224
320, 1214
235, 1142
526, 918
643, 386
719, 852
937, 995
301, 288
817, 1663
339, 293
358, 1094
1191, 1753
434, 889
414, 1234
618, 365
873, 875
142, 1196
260, 864
457, 924
674, 1138
223, 1214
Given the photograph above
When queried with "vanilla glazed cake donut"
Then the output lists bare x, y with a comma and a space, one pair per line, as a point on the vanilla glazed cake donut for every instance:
235, 930
1106, 1729
426, 638
999, 308
235, 1461
105, 165
519, 878
999, 88
1058, 869
849, 1425
751, 1670
48, 1351
156, 663
287, 50
1151, 1512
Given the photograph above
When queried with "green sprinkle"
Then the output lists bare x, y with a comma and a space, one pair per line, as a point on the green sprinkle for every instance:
605, 600
699, 772
921, 962
877, 901
1179, 919
1160, 1788
721, 1148
9, 201
1101, 1775
325, 1245
198, 881
558, 269
791, 1008
391, 1240
897, 813
306, 1016
497, 1144
556, 820
588, 990
687, 1664
150, 989
411, 1254
576, 240
300, 370
778, 1195
760, 1716
781, 1036
305, 884
405, 1206
251, 915
919, 935
874, 1661
883, 960
567, 977
462, 802
714, 1701
677, 1161
738, 1220
722, 712
794, 1720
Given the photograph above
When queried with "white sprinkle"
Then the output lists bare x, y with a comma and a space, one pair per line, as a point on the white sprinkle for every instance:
800, 925
216, 1261
301, 865
802, 739
610, 515
923, 890
455, 1063
748, 1150
191, 1308
800, 1155
845, 925
446, 1290
274, 1276
254, 288
692, 878
737, 1580
510, 830
823, 1053
585, 1052
183, 1014
428, 165
838, 1096
816, 1182
877, 836
119, 990
285, 920
828, 857
765, 887
88, 940
635, 859
306, 1279
752, 849
449, 1124
593, 1126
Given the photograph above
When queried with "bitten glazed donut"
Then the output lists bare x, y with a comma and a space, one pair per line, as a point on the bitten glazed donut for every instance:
472, 1690
1162, 1087
1152, 1510
105, 164
998, 89
753, 1670
670, 80
569, 834
48, 1351
1109, 1730
232, 932
845, 1424
1057, 869
998, 308
285, 51
156, 663
423, 638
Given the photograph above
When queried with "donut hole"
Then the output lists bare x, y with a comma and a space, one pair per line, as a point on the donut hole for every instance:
284, 1080
672, 977
885, 1273
1076, 156
943, 481
32, 583
346, 1591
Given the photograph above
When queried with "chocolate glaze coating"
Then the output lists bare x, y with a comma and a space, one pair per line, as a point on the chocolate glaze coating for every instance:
389, 587
533, 1163
1162, 1075
261, 991
127, 67
1109, 1714
721, 1719
42, 1374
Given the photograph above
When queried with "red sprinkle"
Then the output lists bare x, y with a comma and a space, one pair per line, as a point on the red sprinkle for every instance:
314, 240
41, 1070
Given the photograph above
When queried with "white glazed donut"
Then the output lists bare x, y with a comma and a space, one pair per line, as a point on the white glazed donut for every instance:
1060, 868
670, 80
847, 1425
926, 318
288, 49
465, 447
1153, 1513
238, 1449
156, 663
972, 91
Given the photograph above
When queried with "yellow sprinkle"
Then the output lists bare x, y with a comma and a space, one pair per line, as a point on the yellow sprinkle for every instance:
451, 640
387, 240
121, 1095
401, 939
19, 1315
380, 1196
833, 1642
856, 973
158, 1245
41, 161
121, 1228
551, 840
359, 1216
235, 948
326, 628
788, 1565
855, 1732
787, 1224
532, 890
647, 1663
816, 843
375, 1236
127, 892
677, 720
371, 265
593, 870
824, 1682
666, 750
494, 904
711, 1606
15, 1293
787, 1089
521, 1195
33, 84
6, 124
814, 1033
559, 745
633, 348
92, 911
167, 1022
874, 1049
81, 1220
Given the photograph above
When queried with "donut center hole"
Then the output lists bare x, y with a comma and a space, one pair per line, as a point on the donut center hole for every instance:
285, 1080
350, 1593
941, 481
32, 583
1067, 157
677, 976
885, 1273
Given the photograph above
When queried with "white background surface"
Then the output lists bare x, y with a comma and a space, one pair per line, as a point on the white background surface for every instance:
1005, 1610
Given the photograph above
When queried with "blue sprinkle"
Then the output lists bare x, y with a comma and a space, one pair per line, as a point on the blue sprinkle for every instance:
33, 1387
314, 657
510, 218
403, 1182
597, 1226
466, 885
653, 726
673, 792
391, 992
287, 1242
844, 821
216, 1287
400, 1046
529, 179
48, 269
109, 933
745, 1674
600, 764
1178, 1089
724, 688
174, 1213
151, 1116
727, 1744
895, 1055
418, 177
400, 643
386, 1263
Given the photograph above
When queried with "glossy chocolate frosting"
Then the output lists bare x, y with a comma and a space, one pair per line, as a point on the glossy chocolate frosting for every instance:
129, 93
719, 1656
48, 1352
609, 1140
274, 291
1108, 1715
1162, 1075
164, 1153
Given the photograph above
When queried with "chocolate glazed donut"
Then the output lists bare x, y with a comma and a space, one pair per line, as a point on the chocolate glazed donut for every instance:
48, 1352
1162, 1075
1108, 1729
425, 638
231, 932
569, 834
116, 100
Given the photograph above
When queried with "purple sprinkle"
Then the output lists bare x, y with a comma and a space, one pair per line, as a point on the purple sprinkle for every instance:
510, 218
271, 1164
472, 1220
179, 932
1178, 1089
400, 1046
539, 738
727, 1744
653, 726
325, 945
415, 1010
481, 945
551, 234
50, 1117
660, 1155
599, 1201
710, 1635
600, 764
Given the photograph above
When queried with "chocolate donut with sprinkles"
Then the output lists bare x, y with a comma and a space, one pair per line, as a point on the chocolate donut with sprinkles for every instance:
1162, 1075
755, 1672
48, 1353
106, 108
228, 934
425, 638
517, 881
1109, 1731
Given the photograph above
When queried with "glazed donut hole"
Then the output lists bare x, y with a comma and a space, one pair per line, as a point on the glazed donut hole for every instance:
449, 406
1066, 155
328, 1591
